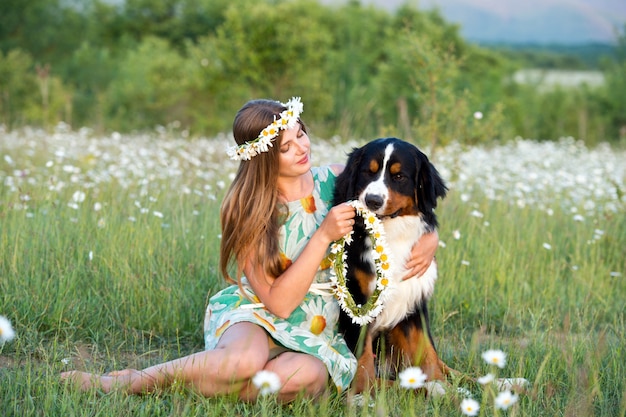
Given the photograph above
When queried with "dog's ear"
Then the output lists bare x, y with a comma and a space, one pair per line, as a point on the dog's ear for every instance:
346, 181
430, 185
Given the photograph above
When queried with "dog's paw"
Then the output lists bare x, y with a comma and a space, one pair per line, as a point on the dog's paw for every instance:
435, 389
511, 383
360, 400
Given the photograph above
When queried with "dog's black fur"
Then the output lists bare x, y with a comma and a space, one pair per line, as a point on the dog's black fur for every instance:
397, 182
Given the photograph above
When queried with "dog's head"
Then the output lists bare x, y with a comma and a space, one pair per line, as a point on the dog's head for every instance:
391, 177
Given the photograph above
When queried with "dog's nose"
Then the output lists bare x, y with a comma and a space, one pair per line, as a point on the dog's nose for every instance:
373, 201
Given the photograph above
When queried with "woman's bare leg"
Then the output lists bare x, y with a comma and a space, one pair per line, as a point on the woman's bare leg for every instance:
242, 350
299, 373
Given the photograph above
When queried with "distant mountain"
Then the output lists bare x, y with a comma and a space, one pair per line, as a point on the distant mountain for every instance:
567, 22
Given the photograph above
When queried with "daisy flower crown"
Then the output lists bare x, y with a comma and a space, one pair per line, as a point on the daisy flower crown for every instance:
362, 314
286, 120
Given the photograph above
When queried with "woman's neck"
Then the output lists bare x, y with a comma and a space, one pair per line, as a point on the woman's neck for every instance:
295, 188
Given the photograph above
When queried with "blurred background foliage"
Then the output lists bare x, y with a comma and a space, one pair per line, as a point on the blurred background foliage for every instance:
362, 72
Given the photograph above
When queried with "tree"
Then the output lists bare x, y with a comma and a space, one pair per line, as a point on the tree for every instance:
151, 87
615, 76
360, 37
256, 53
44, 28
18, 87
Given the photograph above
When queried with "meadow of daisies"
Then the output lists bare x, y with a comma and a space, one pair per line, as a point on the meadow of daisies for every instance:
109, 250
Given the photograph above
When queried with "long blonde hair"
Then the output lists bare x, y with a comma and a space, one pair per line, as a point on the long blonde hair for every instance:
250, 211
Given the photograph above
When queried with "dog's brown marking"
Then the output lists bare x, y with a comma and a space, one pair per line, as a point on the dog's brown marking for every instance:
403, 205
414, 348
364, 279
395, 168
374, 166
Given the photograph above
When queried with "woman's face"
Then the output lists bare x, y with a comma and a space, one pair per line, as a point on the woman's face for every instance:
294, 152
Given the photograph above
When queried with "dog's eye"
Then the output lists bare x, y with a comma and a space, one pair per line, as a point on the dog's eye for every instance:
399, 177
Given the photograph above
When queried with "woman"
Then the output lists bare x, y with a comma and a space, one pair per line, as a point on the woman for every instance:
280, 314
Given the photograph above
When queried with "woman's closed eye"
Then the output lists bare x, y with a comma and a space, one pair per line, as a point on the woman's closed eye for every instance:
286, 145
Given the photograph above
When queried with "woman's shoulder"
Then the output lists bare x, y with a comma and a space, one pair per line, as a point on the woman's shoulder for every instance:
332, 170
337, 168
325, 177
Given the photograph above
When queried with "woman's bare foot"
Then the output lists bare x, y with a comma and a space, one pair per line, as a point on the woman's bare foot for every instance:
122, 372
85, 381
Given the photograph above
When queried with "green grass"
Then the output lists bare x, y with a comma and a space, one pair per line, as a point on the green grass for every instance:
558, 313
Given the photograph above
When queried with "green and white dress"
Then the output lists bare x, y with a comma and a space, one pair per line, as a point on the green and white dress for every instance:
312, 327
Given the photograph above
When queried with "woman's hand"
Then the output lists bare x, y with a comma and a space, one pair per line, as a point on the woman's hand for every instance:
422, 255
338, 222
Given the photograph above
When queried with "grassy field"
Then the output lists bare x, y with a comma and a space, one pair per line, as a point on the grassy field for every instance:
108, 253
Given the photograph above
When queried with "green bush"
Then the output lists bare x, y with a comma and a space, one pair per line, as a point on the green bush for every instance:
362, 72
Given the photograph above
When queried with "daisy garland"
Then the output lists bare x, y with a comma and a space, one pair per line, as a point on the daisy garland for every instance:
362, 314
286, 120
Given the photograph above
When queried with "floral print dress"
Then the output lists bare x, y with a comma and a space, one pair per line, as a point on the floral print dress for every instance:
312, 327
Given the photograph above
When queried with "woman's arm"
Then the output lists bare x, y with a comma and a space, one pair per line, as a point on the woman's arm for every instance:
422, 254
281, 295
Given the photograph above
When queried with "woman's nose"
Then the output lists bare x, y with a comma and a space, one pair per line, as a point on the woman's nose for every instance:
303, 145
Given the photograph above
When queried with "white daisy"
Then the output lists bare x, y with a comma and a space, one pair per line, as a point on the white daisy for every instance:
484, 380
495, 357
476, 213
470, 407
6, 330
78, 197
412, 377
267, 382
505, 399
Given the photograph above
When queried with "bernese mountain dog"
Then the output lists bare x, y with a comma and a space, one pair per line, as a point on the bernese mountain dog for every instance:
397, 182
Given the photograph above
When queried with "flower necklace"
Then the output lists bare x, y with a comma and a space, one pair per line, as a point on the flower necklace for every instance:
362, 314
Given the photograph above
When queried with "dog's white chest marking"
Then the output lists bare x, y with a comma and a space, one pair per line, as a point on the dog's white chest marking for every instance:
404, 296
401, 233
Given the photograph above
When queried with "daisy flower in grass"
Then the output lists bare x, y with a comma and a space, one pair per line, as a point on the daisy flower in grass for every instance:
495, 357
484, 380
412, 378
505, 399
78, 197
267, 382
6, 330
470, 407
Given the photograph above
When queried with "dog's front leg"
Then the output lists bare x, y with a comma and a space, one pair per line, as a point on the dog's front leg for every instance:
366, 368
